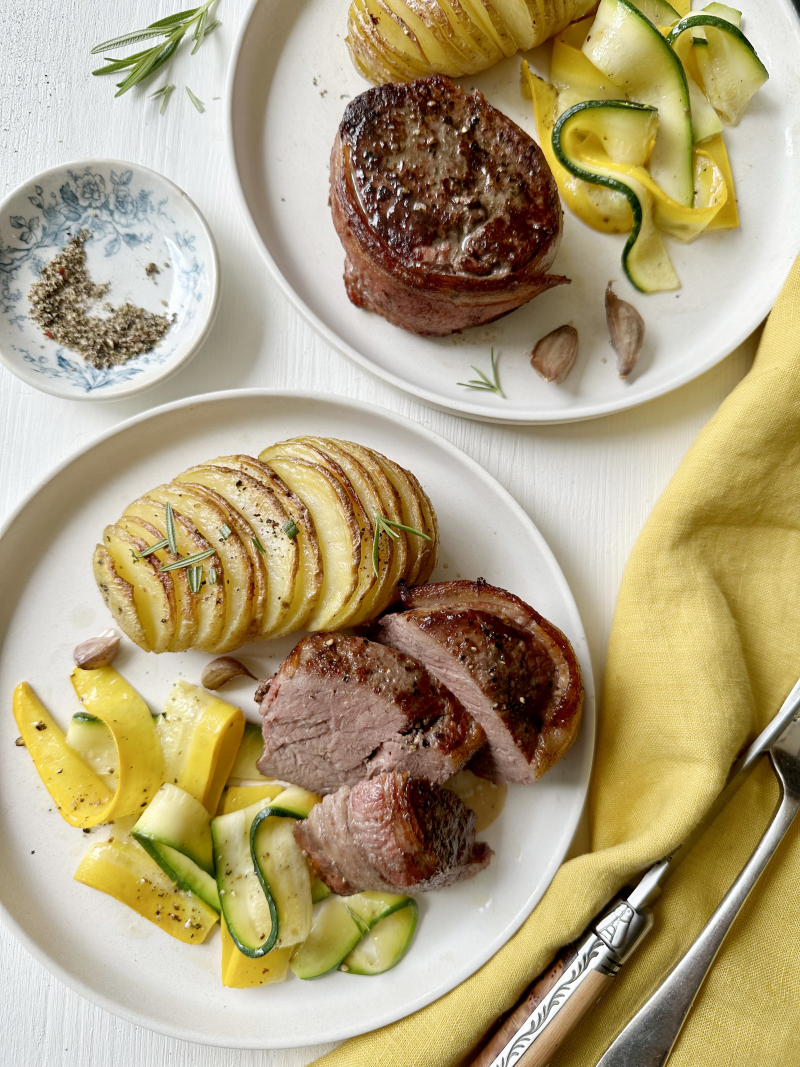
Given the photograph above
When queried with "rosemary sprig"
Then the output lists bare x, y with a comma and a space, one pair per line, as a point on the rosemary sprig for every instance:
259, 547
152, 548
224, 532
169, 522
388, 526
142, 65
189, 561
196, 101
482, 382
165, 92
291, 530
212, 575
195, 575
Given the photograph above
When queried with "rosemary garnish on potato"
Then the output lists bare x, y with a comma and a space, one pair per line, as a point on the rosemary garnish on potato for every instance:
482, 382
259, 547
290, 528
142, 65
152, 548
189, 561
388, 526
224, 532
195, 575
169, 522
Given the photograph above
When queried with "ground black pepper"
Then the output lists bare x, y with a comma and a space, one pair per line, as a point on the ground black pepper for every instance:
60, 302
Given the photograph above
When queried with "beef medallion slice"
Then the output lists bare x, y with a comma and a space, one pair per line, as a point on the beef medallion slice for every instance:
513, 671
393, 834
448, 212
344, 708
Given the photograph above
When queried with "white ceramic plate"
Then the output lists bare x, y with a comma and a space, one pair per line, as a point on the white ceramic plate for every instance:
135, 218
291, 78
49, 603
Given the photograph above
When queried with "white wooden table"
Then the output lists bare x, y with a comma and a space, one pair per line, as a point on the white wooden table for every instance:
588, 486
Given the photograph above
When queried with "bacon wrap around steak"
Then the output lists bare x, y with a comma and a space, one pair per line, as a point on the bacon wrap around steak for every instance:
392, 834
447, 211
513, 671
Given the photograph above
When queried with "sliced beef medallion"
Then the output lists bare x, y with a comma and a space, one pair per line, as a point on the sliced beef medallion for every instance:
392, 834
513, 671
342, 708
447, 211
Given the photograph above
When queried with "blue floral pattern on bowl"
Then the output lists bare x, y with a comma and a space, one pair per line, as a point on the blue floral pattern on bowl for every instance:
136, 219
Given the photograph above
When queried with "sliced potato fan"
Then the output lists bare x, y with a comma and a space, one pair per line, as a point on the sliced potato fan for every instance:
315, 534
399, 40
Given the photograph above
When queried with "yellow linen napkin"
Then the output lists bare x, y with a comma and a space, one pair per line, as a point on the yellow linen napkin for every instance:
704, 647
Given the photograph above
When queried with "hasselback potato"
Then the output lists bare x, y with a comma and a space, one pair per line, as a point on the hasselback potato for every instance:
315, 534
400, 40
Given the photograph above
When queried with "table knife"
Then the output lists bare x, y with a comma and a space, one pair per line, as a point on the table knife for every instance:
565, 992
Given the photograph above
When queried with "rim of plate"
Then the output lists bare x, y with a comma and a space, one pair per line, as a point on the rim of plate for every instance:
589, 721
458, 407
214, 281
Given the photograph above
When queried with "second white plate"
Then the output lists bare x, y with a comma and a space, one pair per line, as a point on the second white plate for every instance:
291, 77
50, 603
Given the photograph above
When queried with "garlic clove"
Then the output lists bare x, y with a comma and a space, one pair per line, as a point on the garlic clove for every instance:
554, 356
626, 328
97, 651
222, 670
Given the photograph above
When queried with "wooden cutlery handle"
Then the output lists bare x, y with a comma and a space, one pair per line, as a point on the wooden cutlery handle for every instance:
543, 1048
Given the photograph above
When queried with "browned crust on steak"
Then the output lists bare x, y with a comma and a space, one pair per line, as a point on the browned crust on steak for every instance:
342, 708
392, 834
447, 210
514, 671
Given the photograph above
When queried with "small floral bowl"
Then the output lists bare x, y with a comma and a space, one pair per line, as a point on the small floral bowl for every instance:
147, 239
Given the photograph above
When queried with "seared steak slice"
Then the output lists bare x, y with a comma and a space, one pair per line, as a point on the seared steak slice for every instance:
513, 671
448, 212
394, 834
341, 709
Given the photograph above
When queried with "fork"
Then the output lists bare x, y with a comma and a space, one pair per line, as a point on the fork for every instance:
650, 1036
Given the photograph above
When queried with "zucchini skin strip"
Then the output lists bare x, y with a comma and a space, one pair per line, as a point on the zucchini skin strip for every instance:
80, 795
700, 19
598, 179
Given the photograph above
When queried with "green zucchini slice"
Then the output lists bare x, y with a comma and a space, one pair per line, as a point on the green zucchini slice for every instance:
263, 878
175, 830
731, 71
644, 258
249, 911
722, 11
385, 944
334, 934
659, 12
369, 908
284, 875
626, 46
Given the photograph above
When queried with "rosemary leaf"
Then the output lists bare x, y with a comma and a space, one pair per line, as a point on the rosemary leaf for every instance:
165, 92
212, 576
290, 529
195, 575
152, 548
259, 547
484, 383
189, 561
388, 526
142, 65
224, 532
170, 524
196, 101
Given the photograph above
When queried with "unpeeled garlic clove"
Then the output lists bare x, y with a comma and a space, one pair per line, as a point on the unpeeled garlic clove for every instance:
626, 327
222, 670
97, 651
554, 356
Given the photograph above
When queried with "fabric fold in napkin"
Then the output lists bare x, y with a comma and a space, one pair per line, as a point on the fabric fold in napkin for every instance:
704, 647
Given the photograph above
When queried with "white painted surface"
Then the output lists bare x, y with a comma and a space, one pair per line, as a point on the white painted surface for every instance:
587, 486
